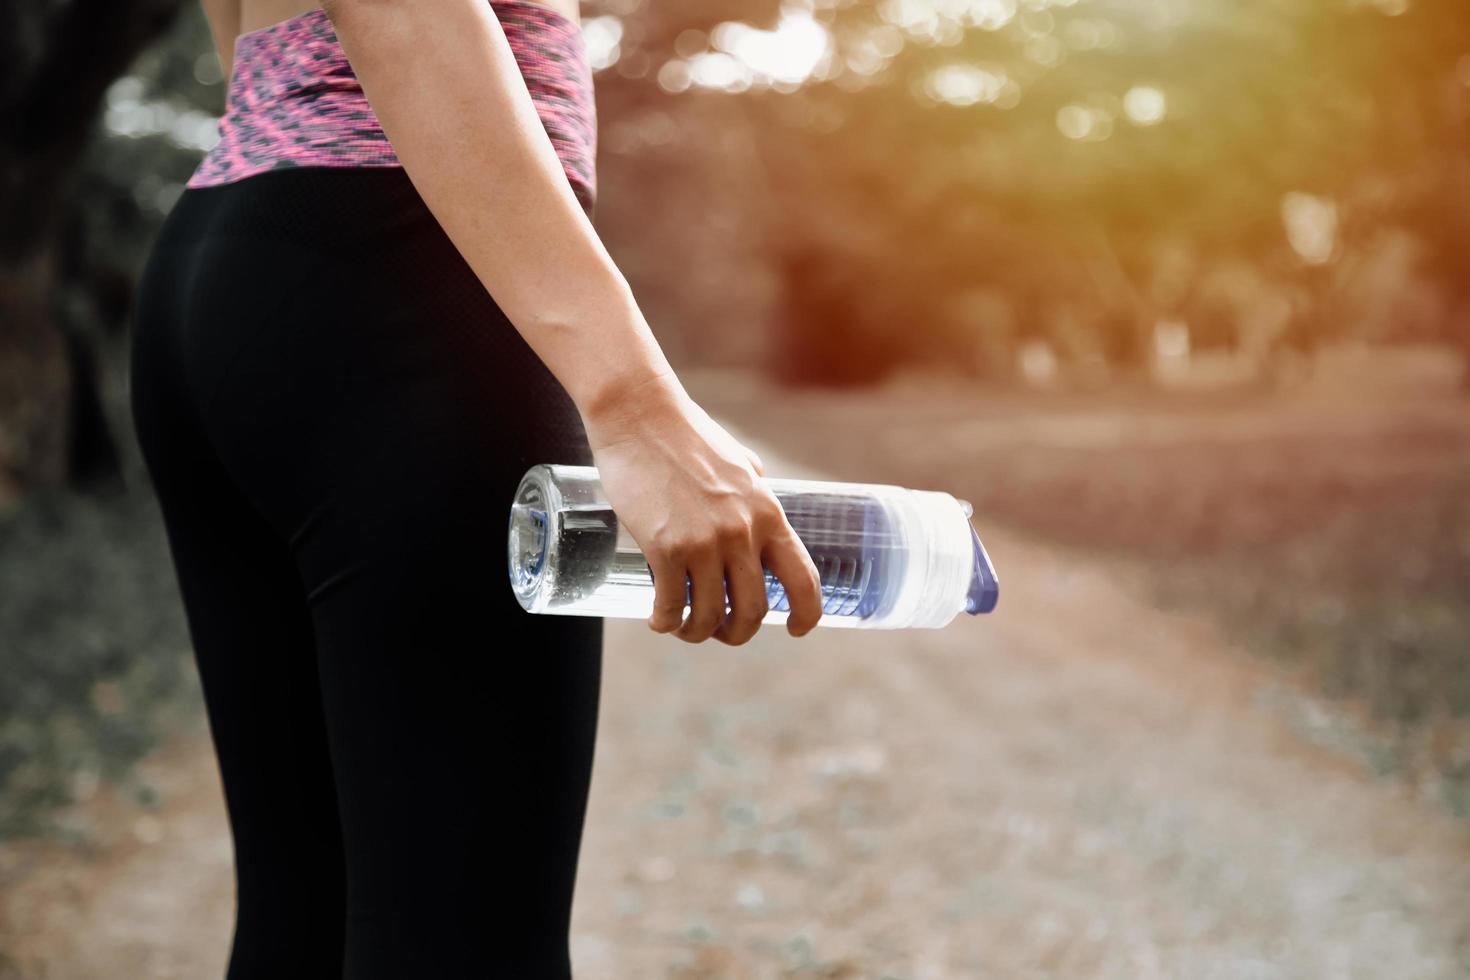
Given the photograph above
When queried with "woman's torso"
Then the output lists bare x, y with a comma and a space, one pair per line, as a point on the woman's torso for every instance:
294, 100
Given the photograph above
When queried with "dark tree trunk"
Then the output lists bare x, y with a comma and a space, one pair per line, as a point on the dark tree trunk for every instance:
56, 61
33, 380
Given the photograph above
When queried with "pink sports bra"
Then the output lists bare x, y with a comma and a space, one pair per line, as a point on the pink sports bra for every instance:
295, 102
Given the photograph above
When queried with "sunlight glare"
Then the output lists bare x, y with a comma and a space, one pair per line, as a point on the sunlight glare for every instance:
1144, 105
790, 54
715, 69
1311, 226
1083, 123
674, 76
129, 113
990, 15
1045, 50
603, 37
941, 21
965, 84
1388, 8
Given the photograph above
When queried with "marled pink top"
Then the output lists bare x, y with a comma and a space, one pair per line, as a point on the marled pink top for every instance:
295, 102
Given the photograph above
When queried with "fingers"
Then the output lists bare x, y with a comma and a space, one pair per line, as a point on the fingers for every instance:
787, 557
707, 611
724, 563
669, 584
755, 461
746, 582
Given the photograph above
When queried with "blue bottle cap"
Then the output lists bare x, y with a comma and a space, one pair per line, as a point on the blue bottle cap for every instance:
984, 587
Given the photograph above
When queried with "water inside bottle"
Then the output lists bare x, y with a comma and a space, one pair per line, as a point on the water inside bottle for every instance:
850, 539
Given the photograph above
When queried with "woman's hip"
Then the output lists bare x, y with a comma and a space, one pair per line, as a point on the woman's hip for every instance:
326, 327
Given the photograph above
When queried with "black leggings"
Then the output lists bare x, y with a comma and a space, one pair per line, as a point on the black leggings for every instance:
335, 416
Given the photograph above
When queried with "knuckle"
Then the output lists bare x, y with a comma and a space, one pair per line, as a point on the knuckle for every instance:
672, 543
736, 529
674, 551
703, 622
770, 511
698, 544
752, 615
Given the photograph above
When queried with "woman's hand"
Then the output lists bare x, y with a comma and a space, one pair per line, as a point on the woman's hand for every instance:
691, 496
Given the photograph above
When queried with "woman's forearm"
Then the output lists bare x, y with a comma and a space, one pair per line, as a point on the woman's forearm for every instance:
441, 78
224, 24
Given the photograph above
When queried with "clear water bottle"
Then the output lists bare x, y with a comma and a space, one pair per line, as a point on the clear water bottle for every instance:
888, 557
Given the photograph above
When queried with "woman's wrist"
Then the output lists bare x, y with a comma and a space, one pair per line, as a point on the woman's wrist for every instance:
619, 399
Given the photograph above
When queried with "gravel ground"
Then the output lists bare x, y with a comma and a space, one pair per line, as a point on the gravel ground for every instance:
1079, 786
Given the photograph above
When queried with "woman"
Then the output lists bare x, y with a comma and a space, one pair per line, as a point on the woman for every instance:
336, 414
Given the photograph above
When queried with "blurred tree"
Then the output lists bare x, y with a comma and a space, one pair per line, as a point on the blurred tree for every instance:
1054, 156
56, 61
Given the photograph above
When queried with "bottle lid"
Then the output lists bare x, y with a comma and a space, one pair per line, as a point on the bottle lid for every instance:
984, 587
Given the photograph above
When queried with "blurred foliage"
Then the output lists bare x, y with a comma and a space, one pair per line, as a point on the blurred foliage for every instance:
56, 60
95, 652
956, 178
92, 641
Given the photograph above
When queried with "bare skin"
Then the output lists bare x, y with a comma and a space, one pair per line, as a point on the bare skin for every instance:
687, 491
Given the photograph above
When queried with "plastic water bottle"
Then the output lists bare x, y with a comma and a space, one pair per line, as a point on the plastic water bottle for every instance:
888, 557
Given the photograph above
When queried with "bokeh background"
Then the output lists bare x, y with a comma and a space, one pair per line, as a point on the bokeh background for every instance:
1176, 292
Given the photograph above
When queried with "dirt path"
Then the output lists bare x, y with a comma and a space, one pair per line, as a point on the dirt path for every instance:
1081, 786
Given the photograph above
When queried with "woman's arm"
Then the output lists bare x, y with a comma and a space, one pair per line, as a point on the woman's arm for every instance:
442, 80
224, 24
441, 77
